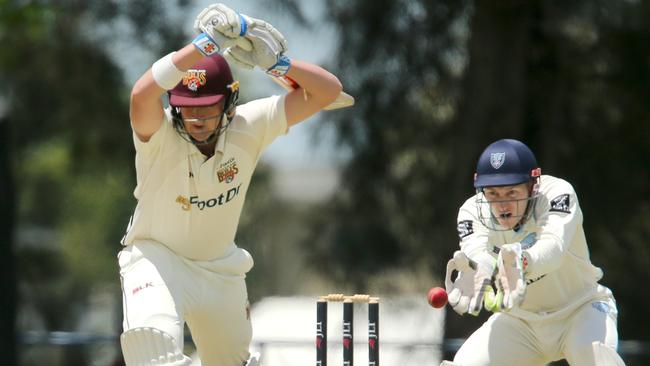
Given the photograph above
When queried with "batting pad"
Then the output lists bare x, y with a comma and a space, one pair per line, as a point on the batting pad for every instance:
145, 346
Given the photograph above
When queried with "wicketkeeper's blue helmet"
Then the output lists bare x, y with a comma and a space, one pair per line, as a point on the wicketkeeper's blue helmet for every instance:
504, 163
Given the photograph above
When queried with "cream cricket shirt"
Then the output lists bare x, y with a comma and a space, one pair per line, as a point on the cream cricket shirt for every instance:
192, 204
559, 276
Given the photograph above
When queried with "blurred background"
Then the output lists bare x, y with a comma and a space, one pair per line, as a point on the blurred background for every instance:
356, 200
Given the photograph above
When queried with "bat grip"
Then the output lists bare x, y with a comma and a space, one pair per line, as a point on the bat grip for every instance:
290, 81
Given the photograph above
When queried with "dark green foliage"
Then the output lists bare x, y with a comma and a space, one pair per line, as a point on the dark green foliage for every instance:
436, 81
400, 60
67, 145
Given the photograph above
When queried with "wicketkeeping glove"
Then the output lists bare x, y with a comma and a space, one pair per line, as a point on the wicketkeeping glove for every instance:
460, 291
510, 277
474, 280
485, 271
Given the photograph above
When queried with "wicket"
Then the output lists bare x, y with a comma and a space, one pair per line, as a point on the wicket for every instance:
348, 328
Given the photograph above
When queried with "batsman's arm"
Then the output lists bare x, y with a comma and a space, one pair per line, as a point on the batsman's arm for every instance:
146, 108
318, 89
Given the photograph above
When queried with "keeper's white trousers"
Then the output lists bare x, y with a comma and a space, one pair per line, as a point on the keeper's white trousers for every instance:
504, 340
164, 291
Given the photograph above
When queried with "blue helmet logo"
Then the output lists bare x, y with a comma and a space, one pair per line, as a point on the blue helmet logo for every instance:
497, 159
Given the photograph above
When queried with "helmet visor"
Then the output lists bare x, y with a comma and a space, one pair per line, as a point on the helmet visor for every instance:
504, 214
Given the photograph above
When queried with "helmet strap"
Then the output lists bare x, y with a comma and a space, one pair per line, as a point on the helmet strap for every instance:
533, 192
179, 126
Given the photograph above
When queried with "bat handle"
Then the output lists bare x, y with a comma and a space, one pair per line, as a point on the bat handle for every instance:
290, 81
293, 84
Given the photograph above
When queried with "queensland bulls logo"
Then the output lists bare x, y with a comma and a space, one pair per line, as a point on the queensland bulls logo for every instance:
194, 79
228, 171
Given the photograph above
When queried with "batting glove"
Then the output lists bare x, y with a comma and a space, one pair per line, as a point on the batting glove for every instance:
267, 49
219, 27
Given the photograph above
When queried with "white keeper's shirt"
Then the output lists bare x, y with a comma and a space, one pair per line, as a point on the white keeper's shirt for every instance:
560, 275
192, 204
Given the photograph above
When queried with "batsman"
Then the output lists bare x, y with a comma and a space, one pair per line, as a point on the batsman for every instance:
194, 161
524, 256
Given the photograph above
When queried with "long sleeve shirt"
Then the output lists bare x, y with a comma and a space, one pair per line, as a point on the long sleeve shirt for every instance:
559, 273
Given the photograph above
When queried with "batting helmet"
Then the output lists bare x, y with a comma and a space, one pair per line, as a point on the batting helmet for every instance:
506, 162
207, 83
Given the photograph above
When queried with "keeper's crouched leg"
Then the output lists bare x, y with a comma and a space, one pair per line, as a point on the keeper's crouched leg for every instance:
146, 346
595, 354
605, 355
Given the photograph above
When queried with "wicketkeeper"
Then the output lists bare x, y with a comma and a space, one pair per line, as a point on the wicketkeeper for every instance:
194, 162
524, 256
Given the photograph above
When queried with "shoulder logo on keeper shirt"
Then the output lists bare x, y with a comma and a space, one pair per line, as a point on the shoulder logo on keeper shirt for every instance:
601, 306
561, 203
465, 228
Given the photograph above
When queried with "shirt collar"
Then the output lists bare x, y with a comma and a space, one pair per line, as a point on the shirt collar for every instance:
219, 146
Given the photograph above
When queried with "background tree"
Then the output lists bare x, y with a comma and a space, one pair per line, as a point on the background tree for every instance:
436, 81
68, 149
7, 272
402, 61
9, 17
71, 151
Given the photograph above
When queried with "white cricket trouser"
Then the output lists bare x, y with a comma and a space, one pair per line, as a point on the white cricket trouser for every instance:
504, 340
163, 291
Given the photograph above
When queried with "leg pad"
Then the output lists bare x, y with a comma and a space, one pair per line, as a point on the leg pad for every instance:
146, 346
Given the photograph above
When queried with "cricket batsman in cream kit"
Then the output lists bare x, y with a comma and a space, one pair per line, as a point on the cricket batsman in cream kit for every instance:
521, 234
194, 163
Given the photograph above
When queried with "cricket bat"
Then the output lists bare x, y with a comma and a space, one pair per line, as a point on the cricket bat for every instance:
344, 100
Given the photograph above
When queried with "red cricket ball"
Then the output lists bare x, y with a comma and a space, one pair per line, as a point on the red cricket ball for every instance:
437, 297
